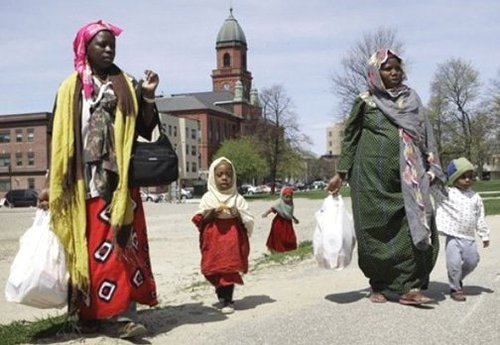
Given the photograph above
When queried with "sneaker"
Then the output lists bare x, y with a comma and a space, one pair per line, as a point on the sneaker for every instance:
228, 308
132, 330
458, 295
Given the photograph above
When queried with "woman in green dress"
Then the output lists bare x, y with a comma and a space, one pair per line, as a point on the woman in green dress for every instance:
390, 160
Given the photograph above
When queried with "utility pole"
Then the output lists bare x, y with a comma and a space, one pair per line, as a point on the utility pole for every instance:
10, 176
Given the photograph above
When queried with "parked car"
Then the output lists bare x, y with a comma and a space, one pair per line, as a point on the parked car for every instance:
318, 184
300, 186
186, 194
148, 196
21, 197
249, 189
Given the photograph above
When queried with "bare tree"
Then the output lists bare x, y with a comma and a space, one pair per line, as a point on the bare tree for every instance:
351, 81
456, 84
279, 131
493, 95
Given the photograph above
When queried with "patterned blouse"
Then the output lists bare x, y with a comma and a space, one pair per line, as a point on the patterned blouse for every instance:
462, 215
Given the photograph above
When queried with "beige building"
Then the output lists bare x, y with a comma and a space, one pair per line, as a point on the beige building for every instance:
184, 136
334, 135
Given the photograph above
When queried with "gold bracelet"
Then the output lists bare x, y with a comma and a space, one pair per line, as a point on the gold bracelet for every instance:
148, 100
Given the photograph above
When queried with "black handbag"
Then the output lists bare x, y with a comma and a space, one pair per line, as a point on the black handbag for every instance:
153, 163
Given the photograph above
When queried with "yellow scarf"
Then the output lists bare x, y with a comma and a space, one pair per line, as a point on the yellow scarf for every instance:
68, 207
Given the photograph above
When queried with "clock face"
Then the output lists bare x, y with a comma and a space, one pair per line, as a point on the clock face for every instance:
226, 86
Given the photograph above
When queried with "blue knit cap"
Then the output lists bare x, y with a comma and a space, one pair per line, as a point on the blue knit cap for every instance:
457, 168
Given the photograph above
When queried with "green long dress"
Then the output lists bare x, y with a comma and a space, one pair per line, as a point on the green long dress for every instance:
370, 156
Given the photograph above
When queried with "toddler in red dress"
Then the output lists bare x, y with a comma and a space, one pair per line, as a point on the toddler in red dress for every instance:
225, 224
282, 236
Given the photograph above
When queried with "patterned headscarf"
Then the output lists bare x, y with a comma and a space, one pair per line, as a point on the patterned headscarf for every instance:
373, 72
82, 39
401, 104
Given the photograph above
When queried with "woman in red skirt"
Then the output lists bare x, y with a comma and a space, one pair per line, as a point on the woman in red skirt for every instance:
99, 112
282, 235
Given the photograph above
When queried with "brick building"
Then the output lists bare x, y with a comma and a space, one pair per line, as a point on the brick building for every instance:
231, 108
196, 123
23, 151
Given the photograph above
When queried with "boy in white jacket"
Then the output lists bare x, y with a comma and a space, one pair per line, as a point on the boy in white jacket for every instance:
459, 217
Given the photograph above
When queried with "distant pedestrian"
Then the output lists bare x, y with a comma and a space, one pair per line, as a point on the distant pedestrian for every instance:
282, 236
459, 217
225, 224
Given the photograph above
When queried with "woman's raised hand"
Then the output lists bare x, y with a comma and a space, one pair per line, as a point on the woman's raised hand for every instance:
150, 83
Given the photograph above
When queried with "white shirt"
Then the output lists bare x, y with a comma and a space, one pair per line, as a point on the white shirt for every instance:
462, 215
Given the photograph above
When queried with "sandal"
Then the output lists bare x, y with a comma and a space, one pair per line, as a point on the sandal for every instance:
132, 329
88, 326
414, 297
377, 297
458, 295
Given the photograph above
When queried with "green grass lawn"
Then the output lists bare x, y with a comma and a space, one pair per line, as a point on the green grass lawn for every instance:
492, 206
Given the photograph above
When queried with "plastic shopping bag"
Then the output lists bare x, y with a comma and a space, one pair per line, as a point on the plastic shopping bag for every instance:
38, 275
334, 239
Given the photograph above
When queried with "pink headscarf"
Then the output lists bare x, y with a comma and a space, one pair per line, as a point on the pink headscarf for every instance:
83, 37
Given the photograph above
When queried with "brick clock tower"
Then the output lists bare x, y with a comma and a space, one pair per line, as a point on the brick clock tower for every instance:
231, 49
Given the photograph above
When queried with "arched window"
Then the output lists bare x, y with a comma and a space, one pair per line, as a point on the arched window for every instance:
227, 60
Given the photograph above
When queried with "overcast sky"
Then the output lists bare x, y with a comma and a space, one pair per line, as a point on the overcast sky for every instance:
298, 44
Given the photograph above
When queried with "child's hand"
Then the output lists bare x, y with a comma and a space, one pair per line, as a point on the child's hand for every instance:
486, 244
209, 215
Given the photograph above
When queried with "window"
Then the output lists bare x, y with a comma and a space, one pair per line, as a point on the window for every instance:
19, 135
31, 135
187, 149
187, 166
31, 183
193, 150
175, 131
31, 158
193, 133
170, 130
5, 184
193, 166
19, 159
4, 159
5, 136
227, 60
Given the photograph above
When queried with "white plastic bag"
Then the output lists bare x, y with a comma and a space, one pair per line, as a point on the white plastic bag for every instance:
334, 239
38, 275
